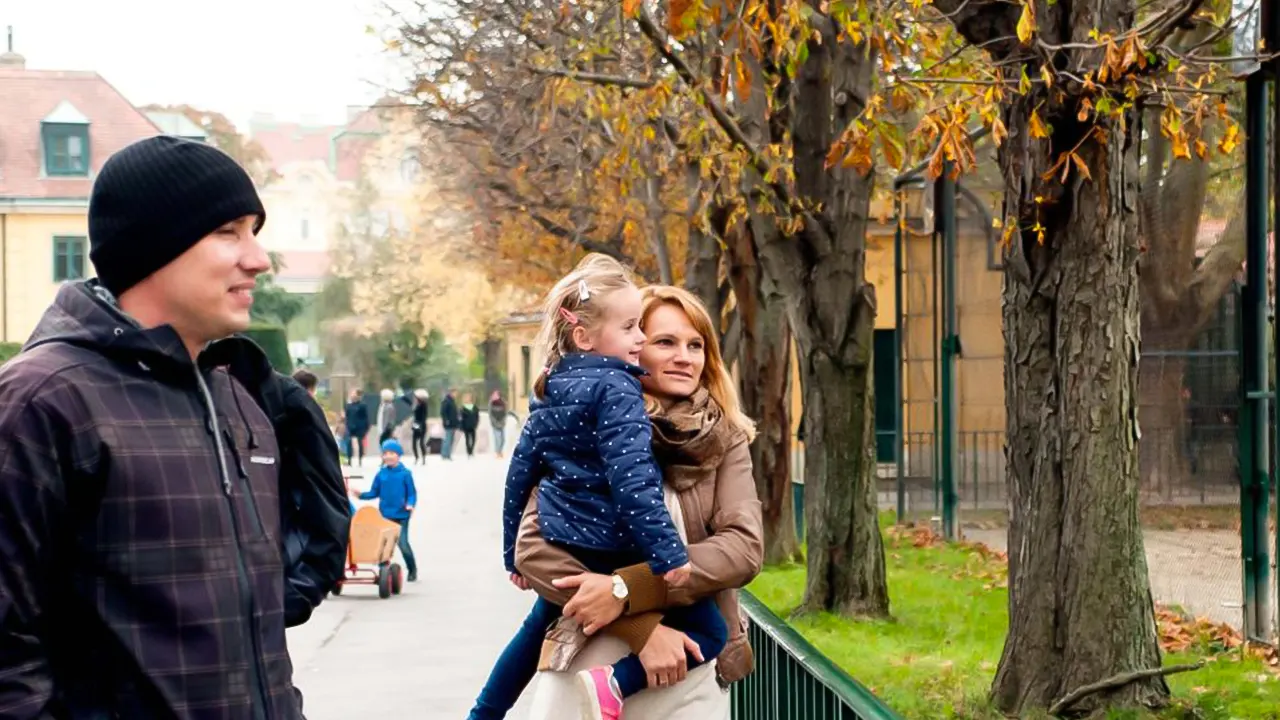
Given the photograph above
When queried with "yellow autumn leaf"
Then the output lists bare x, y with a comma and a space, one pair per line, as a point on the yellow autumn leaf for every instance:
676, 12
1027, 22
1006, 239
1036, 126
1046, 76
1181, 149
892, 150
1230, 139
1201, 148
741, 77
834, 154
998, 131
1085, 107
629, 7
1081, 166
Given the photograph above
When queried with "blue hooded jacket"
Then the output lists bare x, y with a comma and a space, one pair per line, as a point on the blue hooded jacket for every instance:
589, 441
394, 488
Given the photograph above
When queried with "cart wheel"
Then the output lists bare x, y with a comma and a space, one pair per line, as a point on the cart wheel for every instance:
337, 588
384, 582
397, 578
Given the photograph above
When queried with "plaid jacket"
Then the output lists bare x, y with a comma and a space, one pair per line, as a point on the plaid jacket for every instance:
140, 570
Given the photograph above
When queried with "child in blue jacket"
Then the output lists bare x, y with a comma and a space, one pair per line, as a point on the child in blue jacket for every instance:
393, 487
587, 449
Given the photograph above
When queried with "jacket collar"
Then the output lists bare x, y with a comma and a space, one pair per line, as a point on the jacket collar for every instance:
591, 361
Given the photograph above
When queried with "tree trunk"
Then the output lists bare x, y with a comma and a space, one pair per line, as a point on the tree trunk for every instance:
764, 365
702, 270
1080, 607
832, 309
657, 228
846, 566
494, 363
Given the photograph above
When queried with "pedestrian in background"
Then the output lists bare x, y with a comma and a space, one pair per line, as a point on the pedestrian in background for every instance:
469, 419
449, 419
357, 413
498, 421
386, 416
307, 380
420, 397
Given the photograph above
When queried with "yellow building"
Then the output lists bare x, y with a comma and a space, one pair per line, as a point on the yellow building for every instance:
56, 130
524, 362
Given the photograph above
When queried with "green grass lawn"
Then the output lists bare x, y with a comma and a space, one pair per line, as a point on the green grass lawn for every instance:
937, 657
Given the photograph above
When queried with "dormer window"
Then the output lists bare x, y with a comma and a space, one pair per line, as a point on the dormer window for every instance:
64, 133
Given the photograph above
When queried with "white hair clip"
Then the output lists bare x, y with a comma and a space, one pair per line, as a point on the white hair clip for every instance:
583, 294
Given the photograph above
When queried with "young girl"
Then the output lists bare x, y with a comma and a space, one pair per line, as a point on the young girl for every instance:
587, 449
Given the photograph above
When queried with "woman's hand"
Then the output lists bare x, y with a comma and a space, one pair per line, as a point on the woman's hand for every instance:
665, 656
679, 576
593, 605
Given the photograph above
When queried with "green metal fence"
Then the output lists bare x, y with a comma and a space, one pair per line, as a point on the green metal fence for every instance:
793, 681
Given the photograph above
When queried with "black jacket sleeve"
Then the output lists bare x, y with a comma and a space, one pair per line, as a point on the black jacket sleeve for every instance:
32, 517
317, 515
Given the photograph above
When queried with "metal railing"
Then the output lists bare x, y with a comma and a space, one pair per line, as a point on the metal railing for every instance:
793, 680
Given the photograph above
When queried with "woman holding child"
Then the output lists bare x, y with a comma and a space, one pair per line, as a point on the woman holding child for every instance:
657, 598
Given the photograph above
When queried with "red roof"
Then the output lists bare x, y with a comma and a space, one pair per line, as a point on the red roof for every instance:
349, 152
29, 97
288, 143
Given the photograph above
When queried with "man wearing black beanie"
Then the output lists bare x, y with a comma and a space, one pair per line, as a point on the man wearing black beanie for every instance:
141, 571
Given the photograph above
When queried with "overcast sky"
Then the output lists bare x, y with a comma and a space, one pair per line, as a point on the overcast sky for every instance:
298, 59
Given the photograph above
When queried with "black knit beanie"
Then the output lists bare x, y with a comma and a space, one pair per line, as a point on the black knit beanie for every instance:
157, 198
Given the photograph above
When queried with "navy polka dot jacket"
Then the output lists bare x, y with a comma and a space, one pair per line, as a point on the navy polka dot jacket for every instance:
590, 443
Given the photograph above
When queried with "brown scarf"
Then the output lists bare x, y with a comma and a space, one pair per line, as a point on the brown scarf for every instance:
690, 439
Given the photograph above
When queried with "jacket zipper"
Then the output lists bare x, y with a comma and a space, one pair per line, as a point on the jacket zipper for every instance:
256, 516
261, 705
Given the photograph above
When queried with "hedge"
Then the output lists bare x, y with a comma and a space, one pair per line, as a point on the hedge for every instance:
8, 350
274, 342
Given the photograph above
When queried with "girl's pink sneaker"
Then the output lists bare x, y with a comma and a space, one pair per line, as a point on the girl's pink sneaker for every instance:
601, 697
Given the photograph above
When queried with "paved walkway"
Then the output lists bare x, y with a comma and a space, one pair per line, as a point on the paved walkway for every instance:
423, 654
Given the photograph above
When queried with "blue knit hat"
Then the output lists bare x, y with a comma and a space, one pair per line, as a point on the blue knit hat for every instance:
392, 446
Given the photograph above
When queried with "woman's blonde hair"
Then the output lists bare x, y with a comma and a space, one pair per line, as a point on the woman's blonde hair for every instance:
574, 302
715, 373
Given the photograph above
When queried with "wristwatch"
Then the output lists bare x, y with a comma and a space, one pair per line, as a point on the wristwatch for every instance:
620, 588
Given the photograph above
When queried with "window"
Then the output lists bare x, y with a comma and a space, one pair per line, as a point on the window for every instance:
306, 229
526, 362
68, 258
66, 149
410, 167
